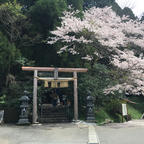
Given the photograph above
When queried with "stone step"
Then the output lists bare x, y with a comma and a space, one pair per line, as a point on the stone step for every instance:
58, 114
54, 113
53, 120
47, 116
47, 111
60, 118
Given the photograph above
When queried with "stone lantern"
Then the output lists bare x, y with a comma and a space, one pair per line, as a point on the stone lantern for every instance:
23, 118
90, 108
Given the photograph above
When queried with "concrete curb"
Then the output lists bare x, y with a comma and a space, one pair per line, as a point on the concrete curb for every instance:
92, 135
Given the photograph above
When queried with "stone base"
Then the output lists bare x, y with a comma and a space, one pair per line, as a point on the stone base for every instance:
90, 120
23, 122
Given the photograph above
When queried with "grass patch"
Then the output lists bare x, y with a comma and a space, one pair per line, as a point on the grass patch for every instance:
139, 100
136, 110
112, 111
133, 112
101, 115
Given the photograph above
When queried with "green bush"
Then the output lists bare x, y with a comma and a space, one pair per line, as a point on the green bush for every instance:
133, 112
101, 115
113, 106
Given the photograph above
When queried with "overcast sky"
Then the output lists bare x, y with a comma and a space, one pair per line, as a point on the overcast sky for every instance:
136, 5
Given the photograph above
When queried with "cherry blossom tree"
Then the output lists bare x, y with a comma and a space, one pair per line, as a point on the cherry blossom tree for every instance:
126, 60
108, 28
114, 33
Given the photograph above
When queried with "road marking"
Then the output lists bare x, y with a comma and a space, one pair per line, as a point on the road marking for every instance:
92, 135
3, 141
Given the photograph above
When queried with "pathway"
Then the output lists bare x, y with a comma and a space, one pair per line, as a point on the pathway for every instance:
131, 132
68, 133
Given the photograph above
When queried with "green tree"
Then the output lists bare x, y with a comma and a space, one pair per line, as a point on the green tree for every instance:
8, 56
11, 19
128, 12
115, 6
99, 3
142, 18
77, 4
27, 3
45, 14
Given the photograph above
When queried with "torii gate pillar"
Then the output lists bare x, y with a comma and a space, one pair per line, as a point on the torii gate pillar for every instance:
35, 115
75, 97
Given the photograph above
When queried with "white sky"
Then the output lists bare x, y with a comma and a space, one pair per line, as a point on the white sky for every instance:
136, 5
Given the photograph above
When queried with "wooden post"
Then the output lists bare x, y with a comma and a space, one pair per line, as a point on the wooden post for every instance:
75, 97
35, 116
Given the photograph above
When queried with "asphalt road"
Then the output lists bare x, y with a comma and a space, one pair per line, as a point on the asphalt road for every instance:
127, 133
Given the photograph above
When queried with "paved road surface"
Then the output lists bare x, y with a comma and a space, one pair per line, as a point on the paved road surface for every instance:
46, 134
69, 133
127, 133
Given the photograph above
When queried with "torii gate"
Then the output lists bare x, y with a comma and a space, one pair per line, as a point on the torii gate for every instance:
55, 70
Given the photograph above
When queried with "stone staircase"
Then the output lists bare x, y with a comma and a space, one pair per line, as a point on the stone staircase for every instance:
52, 114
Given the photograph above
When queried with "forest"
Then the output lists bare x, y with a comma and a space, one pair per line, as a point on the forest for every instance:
93, 34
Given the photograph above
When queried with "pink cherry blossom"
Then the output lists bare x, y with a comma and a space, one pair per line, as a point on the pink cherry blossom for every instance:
110, 30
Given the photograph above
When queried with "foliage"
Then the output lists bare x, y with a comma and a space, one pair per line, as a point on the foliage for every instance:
109, 112
12, 94
134, 113
104, 21
24, 61
8, 55
101, 115
142, 18
95, 40
11, 18
114, 106
45, 14
96, 80
77, 4
26, 3
101, 26
127, 11
2, 99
